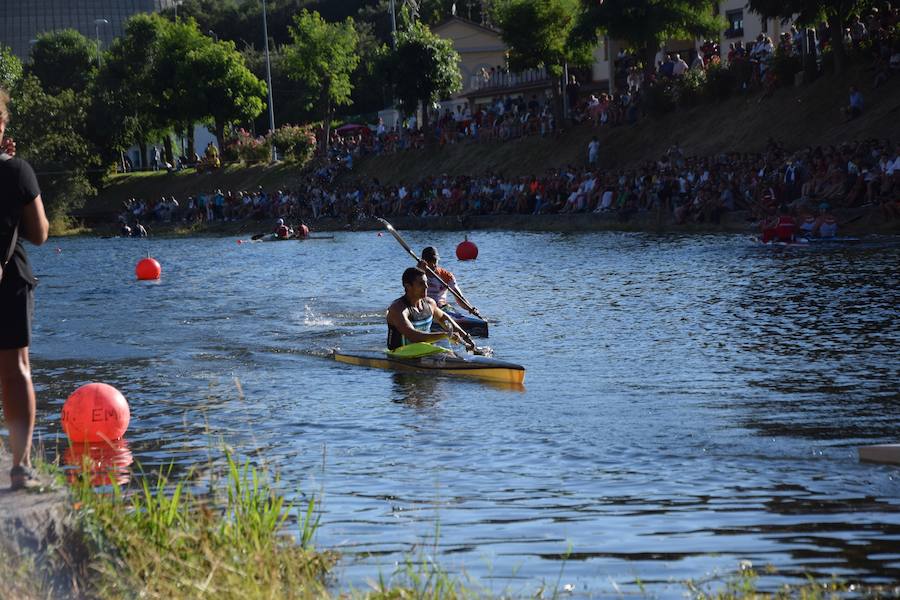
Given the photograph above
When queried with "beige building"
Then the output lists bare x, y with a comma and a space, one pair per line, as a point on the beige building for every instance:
745, 26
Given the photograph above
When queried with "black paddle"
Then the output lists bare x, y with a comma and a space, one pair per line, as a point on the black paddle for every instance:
258, 236
466, 304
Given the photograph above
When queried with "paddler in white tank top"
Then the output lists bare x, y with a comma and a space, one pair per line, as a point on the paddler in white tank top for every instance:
437, 291
409, 317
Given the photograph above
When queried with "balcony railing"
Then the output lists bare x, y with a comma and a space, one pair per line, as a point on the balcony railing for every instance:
501, 79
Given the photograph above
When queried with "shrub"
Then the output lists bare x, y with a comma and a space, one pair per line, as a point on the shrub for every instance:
296, 143
785, 68
659, 98
689, 88
720, 82
247, 148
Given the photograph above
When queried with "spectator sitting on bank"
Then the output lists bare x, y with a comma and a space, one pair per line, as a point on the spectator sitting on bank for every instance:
856, 104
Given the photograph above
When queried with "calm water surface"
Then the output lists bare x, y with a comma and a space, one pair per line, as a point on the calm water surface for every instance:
690, 402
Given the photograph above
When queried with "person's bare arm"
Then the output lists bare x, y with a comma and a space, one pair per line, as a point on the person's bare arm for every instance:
35, 227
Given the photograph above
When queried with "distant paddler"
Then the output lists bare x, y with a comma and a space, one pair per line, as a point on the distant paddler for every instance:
410, 316
282, 231
440, 280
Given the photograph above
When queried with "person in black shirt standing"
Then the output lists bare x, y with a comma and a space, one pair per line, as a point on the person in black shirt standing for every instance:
21, 216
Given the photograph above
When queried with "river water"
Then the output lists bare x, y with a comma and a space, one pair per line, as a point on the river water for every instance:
690, 402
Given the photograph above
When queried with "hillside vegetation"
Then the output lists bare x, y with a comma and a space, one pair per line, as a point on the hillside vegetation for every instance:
796, 117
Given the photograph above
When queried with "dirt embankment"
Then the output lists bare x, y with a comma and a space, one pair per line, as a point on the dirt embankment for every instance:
802, 116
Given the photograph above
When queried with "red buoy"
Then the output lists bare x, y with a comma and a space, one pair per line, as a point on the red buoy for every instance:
466, 250
94, 413
148, 268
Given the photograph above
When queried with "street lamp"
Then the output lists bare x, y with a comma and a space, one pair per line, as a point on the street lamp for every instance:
269, 80
97, 24
213, 35
176, 5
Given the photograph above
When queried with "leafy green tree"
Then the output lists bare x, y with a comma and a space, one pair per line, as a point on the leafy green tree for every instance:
128, 101
538, 35
424, 68
221, 86
10, 68
646, 24
810, 12
323, 55
49, 130
63, 60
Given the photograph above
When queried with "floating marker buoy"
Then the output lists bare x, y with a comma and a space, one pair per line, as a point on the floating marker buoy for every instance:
95, 412
467, 250
58, 250
240, 242
148, 268
379, 234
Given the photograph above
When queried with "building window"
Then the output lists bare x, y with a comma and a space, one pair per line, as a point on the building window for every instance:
735, 19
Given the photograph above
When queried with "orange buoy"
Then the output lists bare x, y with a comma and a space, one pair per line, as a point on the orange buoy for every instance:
466, 250
148, 268
95, 412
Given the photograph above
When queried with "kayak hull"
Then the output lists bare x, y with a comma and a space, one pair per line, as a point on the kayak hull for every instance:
480, 367
473, 325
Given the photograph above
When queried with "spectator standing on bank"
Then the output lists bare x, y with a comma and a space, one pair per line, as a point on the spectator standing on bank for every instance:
593, 151
573, 89
856, 103
21, 216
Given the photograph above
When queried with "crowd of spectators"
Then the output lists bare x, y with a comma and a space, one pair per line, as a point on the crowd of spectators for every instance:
690, 189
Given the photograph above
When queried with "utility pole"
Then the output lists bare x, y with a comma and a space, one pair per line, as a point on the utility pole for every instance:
269, 81
97, 24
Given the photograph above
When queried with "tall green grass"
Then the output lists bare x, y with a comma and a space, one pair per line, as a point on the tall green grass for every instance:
162, 541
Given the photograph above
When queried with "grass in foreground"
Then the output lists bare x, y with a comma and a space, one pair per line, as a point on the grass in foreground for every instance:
162, 541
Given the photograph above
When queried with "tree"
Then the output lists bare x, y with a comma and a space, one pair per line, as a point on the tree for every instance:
63, 60
128, 102
324, 56
424, 68
10, 68
50, 131
646, 24
538, 35
810, 12
222, 86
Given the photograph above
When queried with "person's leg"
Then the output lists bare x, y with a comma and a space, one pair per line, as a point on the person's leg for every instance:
18, 403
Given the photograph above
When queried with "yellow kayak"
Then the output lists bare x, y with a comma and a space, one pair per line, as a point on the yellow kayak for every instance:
441, 361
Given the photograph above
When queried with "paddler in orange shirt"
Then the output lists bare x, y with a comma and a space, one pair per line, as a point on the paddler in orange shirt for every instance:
437, 291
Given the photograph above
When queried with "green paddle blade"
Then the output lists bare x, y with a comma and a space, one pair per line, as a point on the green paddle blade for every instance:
416, 350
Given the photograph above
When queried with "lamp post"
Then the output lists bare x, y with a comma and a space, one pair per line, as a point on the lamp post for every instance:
176, 5
213, 35
97, 24
269, 80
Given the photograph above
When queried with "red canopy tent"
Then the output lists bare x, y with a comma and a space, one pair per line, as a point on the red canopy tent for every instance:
353, 128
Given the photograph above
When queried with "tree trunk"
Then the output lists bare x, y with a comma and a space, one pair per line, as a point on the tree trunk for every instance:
836, 30
220, 134
649, 61
142, 144
189, 135
326, 124
169, 152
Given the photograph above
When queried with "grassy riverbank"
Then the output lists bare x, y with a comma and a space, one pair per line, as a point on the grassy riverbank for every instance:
233, 535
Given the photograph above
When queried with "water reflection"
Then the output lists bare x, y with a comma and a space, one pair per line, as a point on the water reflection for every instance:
102, 462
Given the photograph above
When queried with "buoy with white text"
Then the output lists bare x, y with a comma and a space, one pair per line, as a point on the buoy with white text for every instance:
95, 412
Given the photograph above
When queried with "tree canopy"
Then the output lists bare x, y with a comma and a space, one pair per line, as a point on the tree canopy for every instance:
10, 68
538, 34
424, 68
646, 24
63, 60
809, 12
